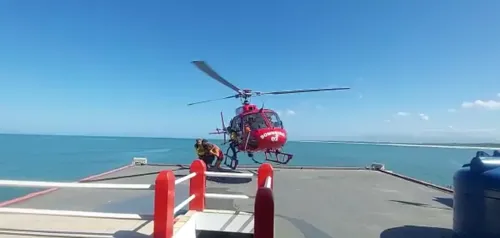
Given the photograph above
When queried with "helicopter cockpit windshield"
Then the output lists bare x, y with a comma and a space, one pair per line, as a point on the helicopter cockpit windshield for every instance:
274, 119
255, 121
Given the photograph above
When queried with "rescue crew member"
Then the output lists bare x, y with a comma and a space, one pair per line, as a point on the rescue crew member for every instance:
234, 141
200, 151
213, 151
247, 128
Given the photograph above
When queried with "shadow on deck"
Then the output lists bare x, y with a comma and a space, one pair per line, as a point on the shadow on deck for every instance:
7, 233
417, 232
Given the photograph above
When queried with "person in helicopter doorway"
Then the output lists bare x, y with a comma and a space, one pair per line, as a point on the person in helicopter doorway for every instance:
247, 130
212, 152
234, 140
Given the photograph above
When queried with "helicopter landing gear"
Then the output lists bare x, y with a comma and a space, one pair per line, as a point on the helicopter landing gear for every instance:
278, 157
231, 159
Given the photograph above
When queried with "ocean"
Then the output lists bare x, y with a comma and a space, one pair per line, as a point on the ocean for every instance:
70, 158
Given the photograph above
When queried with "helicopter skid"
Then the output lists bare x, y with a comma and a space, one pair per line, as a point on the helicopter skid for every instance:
274, 156
231, 158
231, 163
278, 157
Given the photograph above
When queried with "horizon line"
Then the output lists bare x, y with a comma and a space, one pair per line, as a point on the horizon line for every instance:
187, 138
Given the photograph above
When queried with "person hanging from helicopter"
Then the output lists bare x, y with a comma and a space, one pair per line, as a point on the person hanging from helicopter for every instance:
234, 139
235, 134
212, 152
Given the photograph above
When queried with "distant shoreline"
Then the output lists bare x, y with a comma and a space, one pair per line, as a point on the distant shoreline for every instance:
481, 146
489, 145
476, 146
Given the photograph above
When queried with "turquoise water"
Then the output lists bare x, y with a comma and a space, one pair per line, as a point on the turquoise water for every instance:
69, 158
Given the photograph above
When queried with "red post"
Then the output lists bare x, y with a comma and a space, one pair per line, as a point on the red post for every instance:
164, 205
264, 214
197, 185
264, 171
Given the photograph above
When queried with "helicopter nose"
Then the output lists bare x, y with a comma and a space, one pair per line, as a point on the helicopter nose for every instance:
273, 138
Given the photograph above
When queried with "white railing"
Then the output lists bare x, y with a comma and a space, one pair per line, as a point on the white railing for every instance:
42, 184
164, 210
269, 181
197, 178
73, 213
264, 201
228, 175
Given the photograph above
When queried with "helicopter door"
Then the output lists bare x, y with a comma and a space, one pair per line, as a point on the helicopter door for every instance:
236, 126
253, 122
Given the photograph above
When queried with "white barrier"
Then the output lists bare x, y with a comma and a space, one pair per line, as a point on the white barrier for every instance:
184, 203
228, 175
185, 178
198, 168
41, 184
226, 196
269, 181
72, 213
46, 184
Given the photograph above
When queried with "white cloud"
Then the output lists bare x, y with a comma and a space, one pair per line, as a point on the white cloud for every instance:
498, 94
423, 117
388, 121
490, 104
462, 130
403, 114
452, 110
287, 112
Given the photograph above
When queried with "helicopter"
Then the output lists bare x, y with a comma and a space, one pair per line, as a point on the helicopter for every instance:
252, 129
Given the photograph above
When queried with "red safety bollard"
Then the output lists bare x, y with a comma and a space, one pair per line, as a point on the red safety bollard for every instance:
264, 214
264, 171
197, 185
164, 205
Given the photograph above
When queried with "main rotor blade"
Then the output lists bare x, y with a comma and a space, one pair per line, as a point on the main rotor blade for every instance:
210, 72
300, 91
211, 100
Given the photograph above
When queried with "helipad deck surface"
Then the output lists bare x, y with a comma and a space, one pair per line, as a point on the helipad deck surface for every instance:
314, 203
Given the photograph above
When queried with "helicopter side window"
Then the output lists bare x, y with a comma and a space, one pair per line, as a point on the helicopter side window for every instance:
236, 124
255, 121
274, 119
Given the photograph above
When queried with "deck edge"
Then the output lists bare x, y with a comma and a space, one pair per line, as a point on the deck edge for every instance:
275, 166
417, 181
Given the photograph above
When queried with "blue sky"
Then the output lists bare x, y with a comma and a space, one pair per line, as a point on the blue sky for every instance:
123, 67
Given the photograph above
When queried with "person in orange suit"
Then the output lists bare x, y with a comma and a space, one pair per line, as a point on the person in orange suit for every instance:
212, 152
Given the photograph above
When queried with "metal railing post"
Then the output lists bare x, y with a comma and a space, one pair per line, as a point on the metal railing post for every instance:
164, 205
264, 213
197, 185
264, 171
